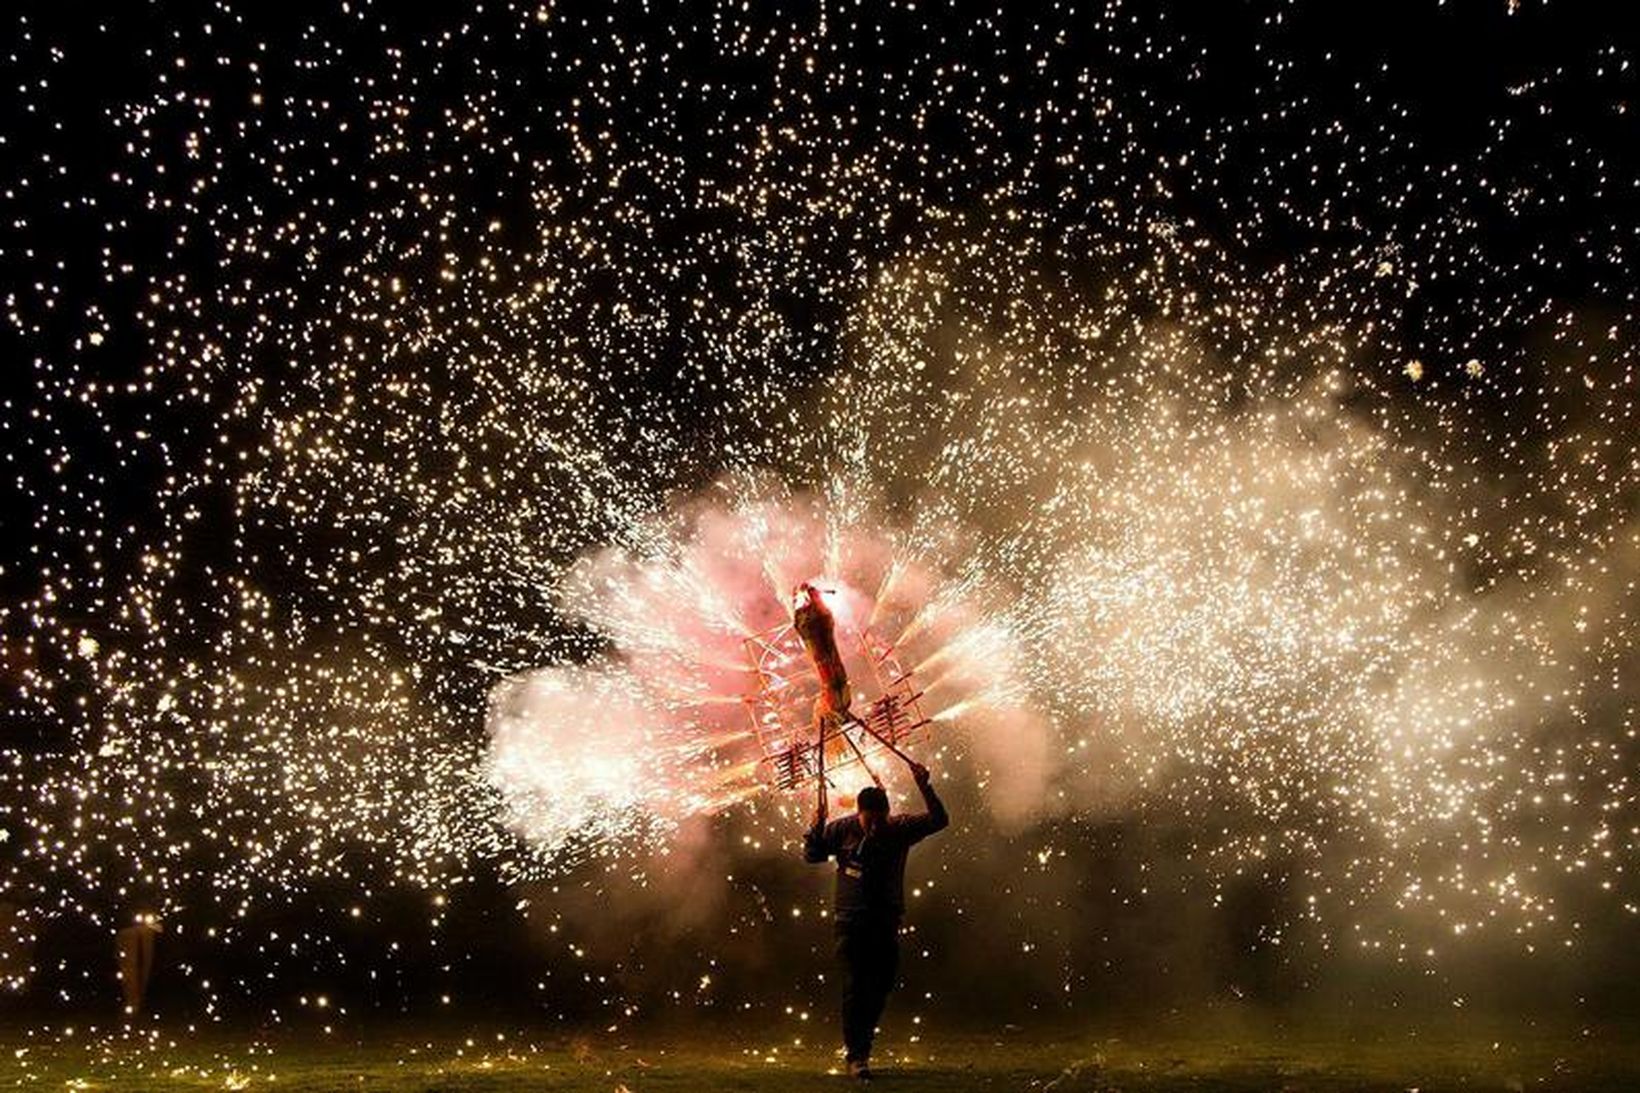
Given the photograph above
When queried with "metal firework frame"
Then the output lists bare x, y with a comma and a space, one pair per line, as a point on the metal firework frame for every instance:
781, 708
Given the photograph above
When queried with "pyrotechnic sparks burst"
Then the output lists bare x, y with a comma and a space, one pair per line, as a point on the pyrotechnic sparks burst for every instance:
1232, 458
657, 728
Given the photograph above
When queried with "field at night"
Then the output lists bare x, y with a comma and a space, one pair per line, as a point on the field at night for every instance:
638, 545
1165, 1054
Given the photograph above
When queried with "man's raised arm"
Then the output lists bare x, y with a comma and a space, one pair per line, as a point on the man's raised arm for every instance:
936, 818
820, 840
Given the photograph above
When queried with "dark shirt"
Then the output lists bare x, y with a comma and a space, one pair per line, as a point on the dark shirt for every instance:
871, 871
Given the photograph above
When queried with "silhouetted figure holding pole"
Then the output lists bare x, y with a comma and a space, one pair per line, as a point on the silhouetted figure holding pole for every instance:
870, 847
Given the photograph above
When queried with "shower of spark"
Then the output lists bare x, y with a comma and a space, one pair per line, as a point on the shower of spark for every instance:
409, 421
600, 755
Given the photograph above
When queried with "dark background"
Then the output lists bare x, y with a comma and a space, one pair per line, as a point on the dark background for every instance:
1246, 92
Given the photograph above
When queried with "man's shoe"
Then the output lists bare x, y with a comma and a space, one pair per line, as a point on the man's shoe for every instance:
859, 1070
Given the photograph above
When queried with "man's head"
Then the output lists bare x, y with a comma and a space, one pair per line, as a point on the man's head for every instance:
872, 806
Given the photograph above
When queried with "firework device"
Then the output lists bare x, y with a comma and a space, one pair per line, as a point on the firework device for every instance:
804, 735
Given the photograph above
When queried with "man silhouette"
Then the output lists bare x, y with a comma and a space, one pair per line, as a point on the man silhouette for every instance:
870, 847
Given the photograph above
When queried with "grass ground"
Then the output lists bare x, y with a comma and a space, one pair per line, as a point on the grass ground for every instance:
1177, 1055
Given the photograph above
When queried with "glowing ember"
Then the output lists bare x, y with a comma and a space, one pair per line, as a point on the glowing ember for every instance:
409, 424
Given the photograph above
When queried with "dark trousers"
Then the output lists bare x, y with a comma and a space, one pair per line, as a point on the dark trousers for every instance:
869, 952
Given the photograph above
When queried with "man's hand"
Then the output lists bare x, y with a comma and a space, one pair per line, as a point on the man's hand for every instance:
919, 773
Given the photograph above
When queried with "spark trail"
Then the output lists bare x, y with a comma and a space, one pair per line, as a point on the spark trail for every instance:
420, 416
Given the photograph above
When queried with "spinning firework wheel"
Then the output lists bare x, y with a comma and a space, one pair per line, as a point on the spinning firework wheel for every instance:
886, 713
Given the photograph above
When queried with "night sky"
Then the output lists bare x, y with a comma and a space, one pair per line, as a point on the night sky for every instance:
1229, 409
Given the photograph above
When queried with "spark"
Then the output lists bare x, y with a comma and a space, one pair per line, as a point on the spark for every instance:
399, 469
